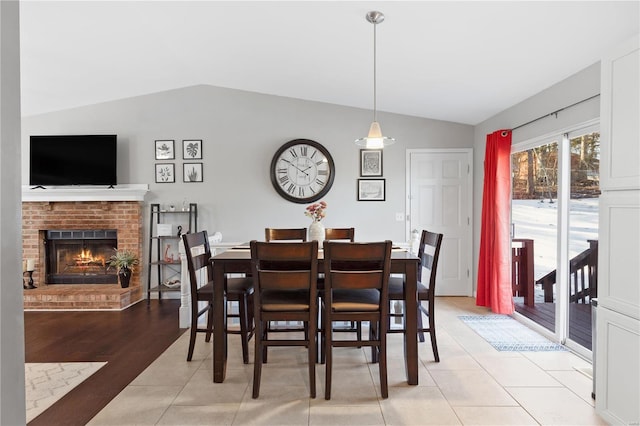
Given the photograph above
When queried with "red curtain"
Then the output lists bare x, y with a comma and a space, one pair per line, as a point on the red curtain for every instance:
494, 264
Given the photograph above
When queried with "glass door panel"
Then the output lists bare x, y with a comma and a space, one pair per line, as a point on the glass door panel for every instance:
583, 234
535, 224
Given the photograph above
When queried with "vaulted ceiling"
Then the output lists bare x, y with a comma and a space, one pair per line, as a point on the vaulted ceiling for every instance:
455, 61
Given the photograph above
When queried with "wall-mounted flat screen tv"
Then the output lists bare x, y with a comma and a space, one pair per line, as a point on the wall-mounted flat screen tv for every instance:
73, 160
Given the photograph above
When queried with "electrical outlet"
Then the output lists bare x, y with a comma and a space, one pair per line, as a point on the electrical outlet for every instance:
400, 217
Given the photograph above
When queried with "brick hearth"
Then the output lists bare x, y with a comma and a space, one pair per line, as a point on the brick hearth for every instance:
81, 296
39, 216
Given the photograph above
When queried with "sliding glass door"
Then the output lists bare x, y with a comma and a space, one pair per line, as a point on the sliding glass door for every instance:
555, 232
583, 233
535, 229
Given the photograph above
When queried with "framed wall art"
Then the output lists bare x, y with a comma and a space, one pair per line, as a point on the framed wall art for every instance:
164, 150
371, 189
370, 162
192, 172
165, 173
192, 149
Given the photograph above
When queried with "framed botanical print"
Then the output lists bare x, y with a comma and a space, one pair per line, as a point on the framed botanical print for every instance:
165, 173
370, 162
192, 172
192, 149
371, 190
164, 150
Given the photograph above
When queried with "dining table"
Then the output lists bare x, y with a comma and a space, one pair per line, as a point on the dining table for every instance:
237, 260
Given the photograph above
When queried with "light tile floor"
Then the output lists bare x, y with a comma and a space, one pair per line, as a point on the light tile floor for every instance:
473, 385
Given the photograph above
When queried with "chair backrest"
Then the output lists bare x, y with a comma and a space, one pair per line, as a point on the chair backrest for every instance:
291, 234
198, 251
429, 252
340, 234
285, 266
358, 266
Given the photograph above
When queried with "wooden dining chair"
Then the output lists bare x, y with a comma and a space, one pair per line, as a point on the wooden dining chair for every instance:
285, 234
240, 290
356, 281
339, 234
428, 252
344, 234
285, 278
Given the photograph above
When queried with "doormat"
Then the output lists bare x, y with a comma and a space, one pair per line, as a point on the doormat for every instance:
47, 382
508, 335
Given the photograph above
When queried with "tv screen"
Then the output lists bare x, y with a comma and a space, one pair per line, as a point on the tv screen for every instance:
73, 160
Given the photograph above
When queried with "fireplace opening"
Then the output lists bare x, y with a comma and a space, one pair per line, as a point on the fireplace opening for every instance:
80, 256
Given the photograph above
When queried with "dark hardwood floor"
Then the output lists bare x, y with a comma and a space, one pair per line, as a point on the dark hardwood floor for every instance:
128, 340
545, 315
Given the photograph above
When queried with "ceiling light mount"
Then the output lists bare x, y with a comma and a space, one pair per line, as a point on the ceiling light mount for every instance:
374, 138
375, 17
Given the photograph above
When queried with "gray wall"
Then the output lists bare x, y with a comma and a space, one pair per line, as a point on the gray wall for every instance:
241, 131
575, 88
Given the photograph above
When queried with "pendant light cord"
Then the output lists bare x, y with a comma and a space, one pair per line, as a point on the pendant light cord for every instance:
375, 115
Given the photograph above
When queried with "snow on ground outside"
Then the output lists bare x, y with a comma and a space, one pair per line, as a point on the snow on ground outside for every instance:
537, 220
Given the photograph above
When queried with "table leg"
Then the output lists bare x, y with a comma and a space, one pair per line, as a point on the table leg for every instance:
411, 323
219, 324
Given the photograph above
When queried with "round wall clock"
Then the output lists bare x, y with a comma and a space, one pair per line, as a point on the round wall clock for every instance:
302, 171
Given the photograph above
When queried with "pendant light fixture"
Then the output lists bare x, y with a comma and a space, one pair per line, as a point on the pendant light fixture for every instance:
374, 139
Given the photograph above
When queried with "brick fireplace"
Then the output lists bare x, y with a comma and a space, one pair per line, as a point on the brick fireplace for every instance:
81, 211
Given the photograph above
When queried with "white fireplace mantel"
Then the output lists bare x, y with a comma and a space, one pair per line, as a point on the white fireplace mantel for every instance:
124, 192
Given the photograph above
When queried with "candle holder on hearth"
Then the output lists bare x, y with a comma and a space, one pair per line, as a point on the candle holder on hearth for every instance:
29, 280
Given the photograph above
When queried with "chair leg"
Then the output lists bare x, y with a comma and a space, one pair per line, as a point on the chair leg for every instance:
322, 345
265, 331
192, 337
244, 333
374, 331
432, 331
257, 359
328, 355
209, 323
313, 350
382, 363
420, 326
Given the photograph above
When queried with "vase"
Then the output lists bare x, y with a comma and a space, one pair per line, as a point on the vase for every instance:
125, 276
316, 232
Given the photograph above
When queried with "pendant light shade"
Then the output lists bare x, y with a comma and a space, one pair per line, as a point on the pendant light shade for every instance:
374, 138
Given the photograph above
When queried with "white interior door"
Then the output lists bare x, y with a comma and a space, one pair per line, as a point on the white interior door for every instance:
439, 200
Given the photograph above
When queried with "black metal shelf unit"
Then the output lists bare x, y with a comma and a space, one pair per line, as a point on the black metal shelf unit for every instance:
167, 267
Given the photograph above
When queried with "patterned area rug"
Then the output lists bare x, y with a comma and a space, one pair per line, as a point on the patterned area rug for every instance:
506, 334
45, 383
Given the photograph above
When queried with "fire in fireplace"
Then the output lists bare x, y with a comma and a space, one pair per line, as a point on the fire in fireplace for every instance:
80, 256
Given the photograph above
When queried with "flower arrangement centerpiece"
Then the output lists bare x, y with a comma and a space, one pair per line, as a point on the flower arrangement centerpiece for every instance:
316, 211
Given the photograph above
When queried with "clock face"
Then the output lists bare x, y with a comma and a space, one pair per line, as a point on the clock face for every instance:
302, 171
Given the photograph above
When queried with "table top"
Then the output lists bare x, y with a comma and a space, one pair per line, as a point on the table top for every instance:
243, 252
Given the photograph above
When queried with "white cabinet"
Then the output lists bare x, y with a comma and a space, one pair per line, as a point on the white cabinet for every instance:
618, 325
